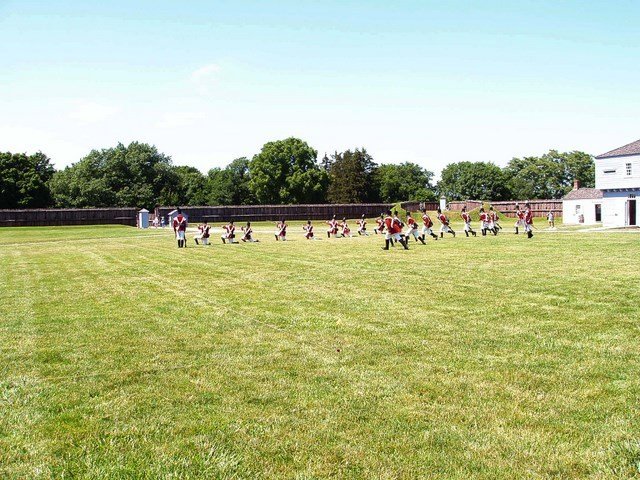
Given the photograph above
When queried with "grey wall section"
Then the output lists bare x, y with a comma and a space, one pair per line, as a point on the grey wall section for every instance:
68, 216
256, 213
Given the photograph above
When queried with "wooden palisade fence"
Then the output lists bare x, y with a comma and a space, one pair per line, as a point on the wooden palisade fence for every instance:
540, 208
256, 213
67, 216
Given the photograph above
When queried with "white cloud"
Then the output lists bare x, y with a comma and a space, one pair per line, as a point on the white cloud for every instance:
205, 78
86, 112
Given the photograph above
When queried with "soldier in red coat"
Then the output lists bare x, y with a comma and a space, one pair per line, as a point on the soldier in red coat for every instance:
281, 230
444, 225
229, 233
393, 227
528, 220
427, 225
519, 219
466, 218
362, 226
180, 229
412, 229
204, 234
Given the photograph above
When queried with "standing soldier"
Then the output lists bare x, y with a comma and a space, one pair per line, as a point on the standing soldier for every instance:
551, 219
362, 226
466, 218
528, 220
519, 218
484, 221
412, 229
180, 229
444, 225
427, 225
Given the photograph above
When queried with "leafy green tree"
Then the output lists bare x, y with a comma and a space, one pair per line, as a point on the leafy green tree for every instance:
123, 176
352, 178
286, 171
473, 180
219, 187
404, 181
24, 180
191, 187
549, 176
230, 186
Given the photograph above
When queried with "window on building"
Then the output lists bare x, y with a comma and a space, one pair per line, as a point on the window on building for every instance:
628, 169
610, 170
578, 207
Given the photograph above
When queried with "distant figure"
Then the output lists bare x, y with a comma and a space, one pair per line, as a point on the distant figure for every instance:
362, 226
528, 220
155, 222
412, 229
466, 218
345, 231
444, 224
427, 225
551, 219
308, 231
180, 229
229, 233
393, 227
203, 235
162, 222
519, 219
248, 234
379, 225
281, 230
333, 227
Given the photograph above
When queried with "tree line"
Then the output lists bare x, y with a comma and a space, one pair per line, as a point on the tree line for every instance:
283, 172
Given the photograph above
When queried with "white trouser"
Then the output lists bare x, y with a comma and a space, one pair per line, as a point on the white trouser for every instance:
444, 228
427, 231
412, 231
395, 236
467, 227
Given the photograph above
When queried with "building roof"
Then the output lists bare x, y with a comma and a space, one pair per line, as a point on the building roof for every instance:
630, 149
583, 194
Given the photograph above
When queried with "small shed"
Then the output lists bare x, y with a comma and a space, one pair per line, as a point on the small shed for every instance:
143, 218
172, 214
582, 206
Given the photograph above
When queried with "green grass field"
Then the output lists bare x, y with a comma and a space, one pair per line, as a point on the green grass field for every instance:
122, 356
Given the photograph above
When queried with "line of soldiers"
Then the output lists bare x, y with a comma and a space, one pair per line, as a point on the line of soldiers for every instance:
390, 225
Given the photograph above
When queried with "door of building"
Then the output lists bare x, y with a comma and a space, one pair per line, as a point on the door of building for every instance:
598, 212
631, 209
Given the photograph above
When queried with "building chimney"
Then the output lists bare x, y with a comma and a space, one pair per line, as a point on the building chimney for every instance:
576, 184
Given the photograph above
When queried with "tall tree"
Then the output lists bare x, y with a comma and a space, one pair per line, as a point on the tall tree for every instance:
123, 176
191, 186
549, 176
352, 178
286, 171
404, 181
24, 180
473, 180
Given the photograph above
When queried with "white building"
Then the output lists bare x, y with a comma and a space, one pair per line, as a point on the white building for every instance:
618, 176
582, 206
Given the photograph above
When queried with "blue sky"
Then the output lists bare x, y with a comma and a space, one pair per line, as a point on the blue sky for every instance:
429, 82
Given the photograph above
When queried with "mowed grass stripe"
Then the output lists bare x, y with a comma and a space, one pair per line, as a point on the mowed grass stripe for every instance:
467, 357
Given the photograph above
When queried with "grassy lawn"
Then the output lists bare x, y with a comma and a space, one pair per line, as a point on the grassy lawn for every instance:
122, 356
